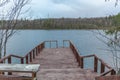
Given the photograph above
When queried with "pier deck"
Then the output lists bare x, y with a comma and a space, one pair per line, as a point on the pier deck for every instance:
60, 64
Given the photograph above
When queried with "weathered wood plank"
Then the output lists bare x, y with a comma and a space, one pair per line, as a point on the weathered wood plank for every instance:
112, 77
61, 64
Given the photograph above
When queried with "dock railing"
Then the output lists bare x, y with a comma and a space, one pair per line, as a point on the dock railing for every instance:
27, 58
105, 69
23, 60
97, 62
51, 44
30, 55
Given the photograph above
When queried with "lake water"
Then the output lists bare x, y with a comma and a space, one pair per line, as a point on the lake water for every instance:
84, 40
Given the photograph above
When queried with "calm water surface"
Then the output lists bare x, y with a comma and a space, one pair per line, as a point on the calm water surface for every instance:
85, 41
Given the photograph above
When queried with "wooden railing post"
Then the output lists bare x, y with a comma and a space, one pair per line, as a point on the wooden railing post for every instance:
81, 62
50, 44
39, 49
70, 45
26, 59
36, 51
95, 64
9, 62
56, 44
113, 72
63, 43
33, 54
22, 60
102, 67
30, 56
43, 45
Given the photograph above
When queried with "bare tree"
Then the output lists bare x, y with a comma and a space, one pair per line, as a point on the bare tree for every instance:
112, 41
9, 17
3, 2
116, 2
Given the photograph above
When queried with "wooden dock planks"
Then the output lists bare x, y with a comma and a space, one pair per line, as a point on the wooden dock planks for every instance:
60, 64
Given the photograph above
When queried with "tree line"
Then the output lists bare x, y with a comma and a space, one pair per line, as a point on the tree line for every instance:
69, 23
64, 23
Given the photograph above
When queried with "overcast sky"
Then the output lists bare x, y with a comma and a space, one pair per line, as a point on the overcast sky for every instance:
72, 8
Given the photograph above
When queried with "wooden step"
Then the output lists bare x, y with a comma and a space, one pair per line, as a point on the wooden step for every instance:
69, 61
73, 70
66, 74
58, 66
13, 77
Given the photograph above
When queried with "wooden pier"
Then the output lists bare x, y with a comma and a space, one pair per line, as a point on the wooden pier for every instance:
60, 63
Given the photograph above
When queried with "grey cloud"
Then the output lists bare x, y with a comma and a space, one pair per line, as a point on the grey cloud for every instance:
60, 1
73, 8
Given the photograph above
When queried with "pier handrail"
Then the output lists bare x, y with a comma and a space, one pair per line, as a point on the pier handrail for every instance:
51, 41
28, 57
95, 56
103, 65
80, 60
65, 41
34, 52
112, 71
9, 58
75, 52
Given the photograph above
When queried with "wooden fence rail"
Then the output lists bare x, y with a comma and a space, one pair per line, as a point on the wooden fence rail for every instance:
50, 42
28, 57
75, 52
103, 65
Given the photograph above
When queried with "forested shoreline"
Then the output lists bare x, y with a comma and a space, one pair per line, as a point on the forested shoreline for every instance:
68, 23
